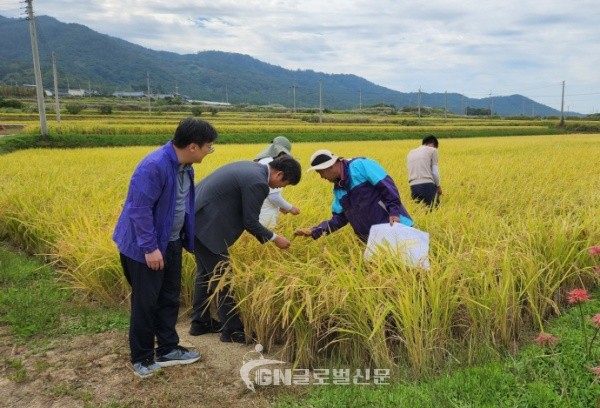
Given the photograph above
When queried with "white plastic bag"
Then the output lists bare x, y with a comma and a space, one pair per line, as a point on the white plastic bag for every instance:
409, 244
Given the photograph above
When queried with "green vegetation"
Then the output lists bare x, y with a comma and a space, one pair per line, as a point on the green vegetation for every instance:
11, 103
16, 370
74, 108
19, 142
105, 109
34, 304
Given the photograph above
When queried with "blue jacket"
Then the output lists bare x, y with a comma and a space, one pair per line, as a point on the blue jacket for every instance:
147, 217
360, 197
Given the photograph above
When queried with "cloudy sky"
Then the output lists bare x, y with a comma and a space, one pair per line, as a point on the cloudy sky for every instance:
476, 48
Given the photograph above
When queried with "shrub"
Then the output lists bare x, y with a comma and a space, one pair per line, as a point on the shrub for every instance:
196, 110
11, 103
74, 108
105, 109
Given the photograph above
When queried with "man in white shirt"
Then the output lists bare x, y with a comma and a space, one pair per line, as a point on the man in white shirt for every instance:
423, 172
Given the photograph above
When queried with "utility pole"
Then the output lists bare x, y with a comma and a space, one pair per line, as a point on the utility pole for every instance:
562, 105
149, 98
226, 94
360, 100
446, 105
320, 101
39, 88
294, 97
56, 102
490, 104
419, 103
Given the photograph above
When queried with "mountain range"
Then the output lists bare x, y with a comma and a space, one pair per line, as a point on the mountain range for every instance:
86, 59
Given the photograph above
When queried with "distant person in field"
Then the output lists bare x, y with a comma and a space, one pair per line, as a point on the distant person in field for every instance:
156, 222
275, 203
228, 202
363, 195
423, 172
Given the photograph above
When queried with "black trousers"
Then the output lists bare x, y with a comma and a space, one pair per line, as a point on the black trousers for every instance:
154, 304
426, 193
209, 264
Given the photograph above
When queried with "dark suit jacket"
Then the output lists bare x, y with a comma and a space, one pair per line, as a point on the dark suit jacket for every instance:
228, 201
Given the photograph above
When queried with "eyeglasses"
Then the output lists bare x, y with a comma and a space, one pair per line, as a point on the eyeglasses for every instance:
211, 149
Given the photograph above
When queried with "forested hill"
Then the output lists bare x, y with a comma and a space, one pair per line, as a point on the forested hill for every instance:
90, 60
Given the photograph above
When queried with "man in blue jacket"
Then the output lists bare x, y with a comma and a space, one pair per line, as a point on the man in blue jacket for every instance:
363, 195
156, 222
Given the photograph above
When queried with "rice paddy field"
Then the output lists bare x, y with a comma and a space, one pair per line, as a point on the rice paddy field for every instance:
518, 215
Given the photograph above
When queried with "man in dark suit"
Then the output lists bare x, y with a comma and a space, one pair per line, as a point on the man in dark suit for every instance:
228, 201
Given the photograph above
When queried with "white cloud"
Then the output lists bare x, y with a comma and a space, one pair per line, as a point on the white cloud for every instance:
470, 47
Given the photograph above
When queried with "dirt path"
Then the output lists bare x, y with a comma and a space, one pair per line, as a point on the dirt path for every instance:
92, 371
6, 130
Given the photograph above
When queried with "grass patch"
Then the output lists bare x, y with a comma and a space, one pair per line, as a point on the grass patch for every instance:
33, 303
16, 370
28, 141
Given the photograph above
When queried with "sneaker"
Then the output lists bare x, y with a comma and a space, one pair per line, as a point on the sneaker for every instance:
233, 337
146, 368
198, 329
178, 356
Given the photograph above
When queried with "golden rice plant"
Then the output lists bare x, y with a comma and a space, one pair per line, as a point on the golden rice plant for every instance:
291, 126
511, 235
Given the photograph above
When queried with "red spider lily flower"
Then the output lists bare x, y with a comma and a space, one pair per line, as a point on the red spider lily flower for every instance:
595, 250
595, 370
596, 320
577, 296
546, 339
597, 270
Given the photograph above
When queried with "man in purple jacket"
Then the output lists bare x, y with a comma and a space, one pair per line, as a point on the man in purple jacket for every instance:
156, 222
363, 195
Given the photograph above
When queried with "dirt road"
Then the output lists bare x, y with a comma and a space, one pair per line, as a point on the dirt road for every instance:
93, 371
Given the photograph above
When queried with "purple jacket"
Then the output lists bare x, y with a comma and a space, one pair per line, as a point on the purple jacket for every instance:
147, 217
360, 197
